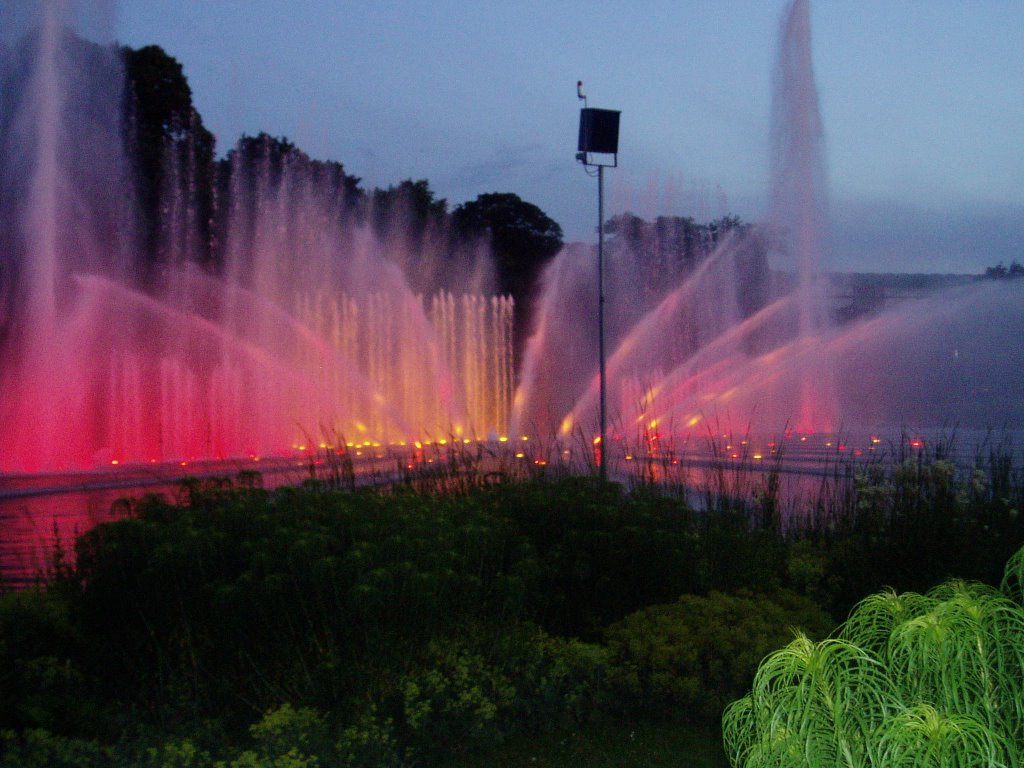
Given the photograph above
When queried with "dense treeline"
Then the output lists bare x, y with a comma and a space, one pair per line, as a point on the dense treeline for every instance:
168, 198
177, 170
1001, 272
661, 250
395, 626
184, 199
184, 189
171, 141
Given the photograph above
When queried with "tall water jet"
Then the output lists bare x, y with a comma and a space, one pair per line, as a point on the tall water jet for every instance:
686, 303
40, 221
799, 208
697, 337
61, 211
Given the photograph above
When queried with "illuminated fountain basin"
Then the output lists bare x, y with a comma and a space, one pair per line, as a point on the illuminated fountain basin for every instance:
211, 369
336, 369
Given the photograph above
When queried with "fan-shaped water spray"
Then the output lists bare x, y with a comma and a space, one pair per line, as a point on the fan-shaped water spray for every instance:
309, 329
308, 332
721, 346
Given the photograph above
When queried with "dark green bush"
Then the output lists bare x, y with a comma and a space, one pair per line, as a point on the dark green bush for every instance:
477, 690
247, 599
287, 736
42, 684
603, 553
689, 659
563, 682
916, 522
38, 748
235, 598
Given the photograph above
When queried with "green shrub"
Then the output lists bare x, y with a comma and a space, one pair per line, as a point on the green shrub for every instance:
914, 522
454, 703
41, 682
568, 684
176, 754
909, 680
290, 733
247, 598
602, 553
38, 748
370, 742
690, 658
476, 690
480, 688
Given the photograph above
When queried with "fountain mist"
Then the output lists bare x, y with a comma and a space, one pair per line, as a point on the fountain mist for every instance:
309, 333
714, 345
310, 330
799, 203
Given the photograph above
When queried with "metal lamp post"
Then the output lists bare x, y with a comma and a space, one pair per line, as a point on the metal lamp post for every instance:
599, 135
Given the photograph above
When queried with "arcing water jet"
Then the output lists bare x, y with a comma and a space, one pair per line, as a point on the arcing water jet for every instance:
308, 334
743, 339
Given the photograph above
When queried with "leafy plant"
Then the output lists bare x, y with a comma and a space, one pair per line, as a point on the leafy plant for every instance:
909, 680
38, 748
690, 658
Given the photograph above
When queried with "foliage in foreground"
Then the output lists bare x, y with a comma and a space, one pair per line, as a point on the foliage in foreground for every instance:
687, 660
461, 698
312, 625
909, 680
405, 624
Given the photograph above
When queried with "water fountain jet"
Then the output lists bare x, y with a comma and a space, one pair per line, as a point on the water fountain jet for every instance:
309, 329
701, 352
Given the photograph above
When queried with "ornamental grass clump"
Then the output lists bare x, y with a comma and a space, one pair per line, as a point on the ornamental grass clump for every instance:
908, 680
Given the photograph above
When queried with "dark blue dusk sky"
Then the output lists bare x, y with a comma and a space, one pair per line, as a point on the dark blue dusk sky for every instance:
922, 103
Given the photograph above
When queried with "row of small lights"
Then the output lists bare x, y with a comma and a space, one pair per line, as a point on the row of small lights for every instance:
733, 453
915, 443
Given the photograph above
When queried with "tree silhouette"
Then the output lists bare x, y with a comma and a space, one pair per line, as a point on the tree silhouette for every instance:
523, 237
173, 154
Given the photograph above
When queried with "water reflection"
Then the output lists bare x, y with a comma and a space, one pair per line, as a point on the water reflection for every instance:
33, 526
39, 511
